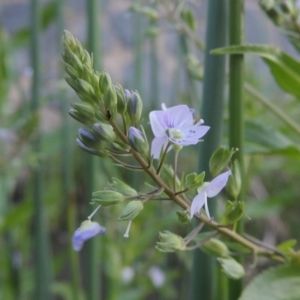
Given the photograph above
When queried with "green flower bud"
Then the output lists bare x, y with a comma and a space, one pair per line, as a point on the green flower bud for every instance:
234, 211
170, 242
72, 83
183, 216
87, 60
234, 183
219, 160
231, 268
121, 99
67, 39
135, 107
107, 198
88, 138
122, 187
215, 247
110, 100
104, 82
131, 210
83, 113
72, 72
104, 132
138, 141
85, 90
99, 152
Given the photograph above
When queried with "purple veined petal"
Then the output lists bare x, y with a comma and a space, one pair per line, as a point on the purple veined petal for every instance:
177, 114
187, 121
87, 230
196, 131
217, 184
157, 144
157, 122
197, 203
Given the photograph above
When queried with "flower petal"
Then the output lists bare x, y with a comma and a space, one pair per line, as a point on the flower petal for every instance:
157, 144
87, 230
217, 184
178, 114
197, 204
195, 132
157, 122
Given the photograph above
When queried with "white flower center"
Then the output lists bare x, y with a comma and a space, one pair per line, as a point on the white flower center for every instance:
175, 133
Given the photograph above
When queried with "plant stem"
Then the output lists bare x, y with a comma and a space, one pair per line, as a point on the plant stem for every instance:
236, 107
203, 280
186, 205
41, 245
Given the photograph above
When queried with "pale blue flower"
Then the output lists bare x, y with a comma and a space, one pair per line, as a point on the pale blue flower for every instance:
176, 125
87, 230
209, 190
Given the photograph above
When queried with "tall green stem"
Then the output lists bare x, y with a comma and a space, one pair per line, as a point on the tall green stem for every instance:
66, 164
41, 242
203, 276
236, 122
93, 278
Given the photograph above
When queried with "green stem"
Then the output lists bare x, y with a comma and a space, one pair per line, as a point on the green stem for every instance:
203, 280
93, 278
41, 247
236, 107
272, 107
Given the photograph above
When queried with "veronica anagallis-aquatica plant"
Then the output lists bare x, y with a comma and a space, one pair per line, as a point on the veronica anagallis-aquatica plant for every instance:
110, 116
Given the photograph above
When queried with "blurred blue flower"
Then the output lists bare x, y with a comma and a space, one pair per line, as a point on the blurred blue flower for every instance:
87, 230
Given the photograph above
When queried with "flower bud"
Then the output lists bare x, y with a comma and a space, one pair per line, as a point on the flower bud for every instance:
72, 72
219, 160
107, 198
170, 242
234, 211
234, 184
215, 247
122, 187
104, 82
83, 113
68, 39
231, 267
183, 216
121, 99
104, 132
135, 107
110, 100
88, 138
131, 210
138, 141
99, 152
85, 90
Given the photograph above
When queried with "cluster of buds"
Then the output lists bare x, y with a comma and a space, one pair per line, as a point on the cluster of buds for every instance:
286, 15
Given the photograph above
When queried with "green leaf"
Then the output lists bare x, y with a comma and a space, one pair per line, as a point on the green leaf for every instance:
287, 245
280, 283
285, 69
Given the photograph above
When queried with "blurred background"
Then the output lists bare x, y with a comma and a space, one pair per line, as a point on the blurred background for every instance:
46, 180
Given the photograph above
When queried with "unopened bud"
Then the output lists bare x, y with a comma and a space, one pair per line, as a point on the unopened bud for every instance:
85, 90
104, 132
107, 197
215, 247
99, 152
135, 107
219, 160
170, 242
83, 113
88, 138
68, 39
104, 82
131, 210
231, 267
122, 187
110, 100
121, 99
138, 141
234, 184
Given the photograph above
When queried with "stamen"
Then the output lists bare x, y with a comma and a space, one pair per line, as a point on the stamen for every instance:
206, 207
126, 235
92, 214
